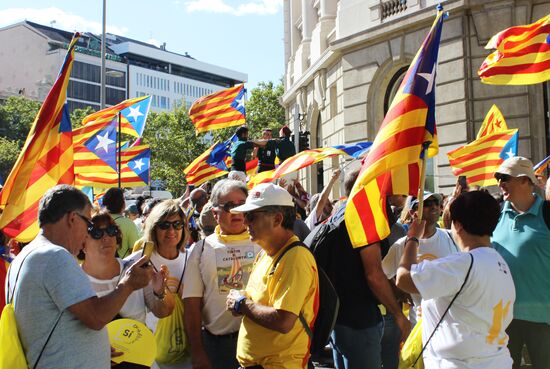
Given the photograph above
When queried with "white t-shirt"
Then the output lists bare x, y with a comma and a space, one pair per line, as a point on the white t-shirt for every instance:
472, 335
133, 308
435, 247
213, 270
311, 220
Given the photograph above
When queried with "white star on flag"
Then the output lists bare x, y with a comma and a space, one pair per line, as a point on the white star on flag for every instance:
103, 142
139, 164
430, 77
134, 112
510, 153
240, 102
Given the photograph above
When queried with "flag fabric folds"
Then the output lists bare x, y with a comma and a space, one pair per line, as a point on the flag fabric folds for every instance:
46, 160
99, 151
522, 55
407, 132
221, 109
479, 159
135, 165
540, 167
494, 122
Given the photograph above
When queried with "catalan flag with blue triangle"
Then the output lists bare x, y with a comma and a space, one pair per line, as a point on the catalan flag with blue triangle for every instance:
135, 170
98, 151
407, 133
45, 161
221, 109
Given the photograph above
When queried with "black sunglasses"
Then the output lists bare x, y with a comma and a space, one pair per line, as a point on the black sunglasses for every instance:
97, 233
89, 223
177, 225
503, 177
251, 215
228, 206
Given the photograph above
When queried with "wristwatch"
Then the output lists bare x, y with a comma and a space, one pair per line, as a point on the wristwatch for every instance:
237, 304
412, 239
161, 295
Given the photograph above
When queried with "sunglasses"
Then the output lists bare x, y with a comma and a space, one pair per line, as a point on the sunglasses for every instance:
228, 206
89, 223
97, 233
250, 216
503, 177
177, 225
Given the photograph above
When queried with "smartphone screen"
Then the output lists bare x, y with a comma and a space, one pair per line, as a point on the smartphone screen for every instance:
148, 249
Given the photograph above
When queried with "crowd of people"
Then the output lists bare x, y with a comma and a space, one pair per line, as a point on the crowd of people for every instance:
227, 283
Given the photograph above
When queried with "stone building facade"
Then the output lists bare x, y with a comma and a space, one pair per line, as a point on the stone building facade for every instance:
346, 58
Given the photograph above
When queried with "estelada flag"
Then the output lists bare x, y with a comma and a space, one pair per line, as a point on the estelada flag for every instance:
522, 55
221, 109
45, 161
407, 132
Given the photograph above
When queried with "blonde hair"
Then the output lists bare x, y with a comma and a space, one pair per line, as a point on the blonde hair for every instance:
160, 212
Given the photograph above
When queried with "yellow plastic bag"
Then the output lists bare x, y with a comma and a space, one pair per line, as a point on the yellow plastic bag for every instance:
412, 349
170, 336
12, 355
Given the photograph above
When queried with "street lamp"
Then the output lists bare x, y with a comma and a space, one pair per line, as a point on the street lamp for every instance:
103, 52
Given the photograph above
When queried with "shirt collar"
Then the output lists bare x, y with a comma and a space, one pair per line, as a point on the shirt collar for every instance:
534, 209
226, 238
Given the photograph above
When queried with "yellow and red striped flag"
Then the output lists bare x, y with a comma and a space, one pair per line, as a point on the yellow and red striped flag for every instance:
407, 132
479, 159
541, 166
135, 165
221, 109
522, 55
494, 122
45, 161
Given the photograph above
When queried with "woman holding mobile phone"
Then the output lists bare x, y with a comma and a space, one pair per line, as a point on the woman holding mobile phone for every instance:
104, 269
166, 228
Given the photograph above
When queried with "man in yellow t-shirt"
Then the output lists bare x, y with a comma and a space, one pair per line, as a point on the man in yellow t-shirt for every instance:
271, 334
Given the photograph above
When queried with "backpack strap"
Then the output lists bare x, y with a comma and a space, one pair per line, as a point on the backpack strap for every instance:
183, 272
546, 213
301, 315
447, 310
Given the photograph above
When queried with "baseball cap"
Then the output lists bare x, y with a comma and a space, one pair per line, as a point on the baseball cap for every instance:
426, 196
265, 194
517, 166
132, 209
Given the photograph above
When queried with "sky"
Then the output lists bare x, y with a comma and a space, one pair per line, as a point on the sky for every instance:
246, 36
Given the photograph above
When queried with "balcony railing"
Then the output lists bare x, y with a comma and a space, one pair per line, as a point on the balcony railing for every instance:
393, 7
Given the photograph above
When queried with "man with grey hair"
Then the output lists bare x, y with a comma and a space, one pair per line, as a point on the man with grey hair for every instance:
522, 237
59, 317
217, 264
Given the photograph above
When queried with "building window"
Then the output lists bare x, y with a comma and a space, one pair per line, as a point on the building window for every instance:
114, 96
83, 91
87, 72
393, 87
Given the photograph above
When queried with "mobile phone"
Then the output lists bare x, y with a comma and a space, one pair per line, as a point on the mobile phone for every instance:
462, 182
148, 247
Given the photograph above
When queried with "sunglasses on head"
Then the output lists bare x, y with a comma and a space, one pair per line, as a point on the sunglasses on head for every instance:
177, 225
503, 177
97, 233
228, 206
251, 215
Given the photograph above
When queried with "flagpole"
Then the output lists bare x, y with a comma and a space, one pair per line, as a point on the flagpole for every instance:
420, 196
119, 129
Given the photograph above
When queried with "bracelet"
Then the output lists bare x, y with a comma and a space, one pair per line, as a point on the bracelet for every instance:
412, 239
238, 303
161, 295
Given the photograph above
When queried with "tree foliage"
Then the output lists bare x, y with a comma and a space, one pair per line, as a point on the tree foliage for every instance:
263, 108
174, 146
78, 114
9, 151
17, 114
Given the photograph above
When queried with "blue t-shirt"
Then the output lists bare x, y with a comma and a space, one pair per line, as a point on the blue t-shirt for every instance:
51, 281
523, 240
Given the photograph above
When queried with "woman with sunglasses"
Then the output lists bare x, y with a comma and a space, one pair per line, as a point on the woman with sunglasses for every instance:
104, 270
166, 227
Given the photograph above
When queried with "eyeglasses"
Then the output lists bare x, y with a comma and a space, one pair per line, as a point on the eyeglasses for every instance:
228, 206
503, 177
97, 233
250, 216
89, 223
177, 225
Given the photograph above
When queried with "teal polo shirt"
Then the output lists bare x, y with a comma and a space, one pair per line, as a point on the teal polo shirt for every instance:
523, 240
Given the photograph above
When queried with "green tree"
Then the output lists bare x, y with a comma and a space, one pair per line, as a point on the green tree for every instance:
17, 114
78, 114
263, 108
9, 151
174, 146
